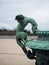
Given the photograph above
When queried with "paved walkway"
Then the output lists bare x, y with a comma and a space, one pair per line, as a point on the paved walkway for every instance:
12, 54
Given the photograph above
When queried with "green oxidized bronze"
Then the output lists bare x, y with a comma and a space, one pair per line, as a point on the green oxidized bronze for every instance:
43, 40
23, 21
39, 46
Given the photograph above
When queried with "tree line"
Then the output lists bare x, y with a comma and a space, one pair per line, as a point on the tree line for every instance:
11, 32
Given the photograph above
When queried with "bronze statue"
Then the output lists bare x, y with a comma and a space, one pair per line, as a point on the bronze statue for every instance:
40, 51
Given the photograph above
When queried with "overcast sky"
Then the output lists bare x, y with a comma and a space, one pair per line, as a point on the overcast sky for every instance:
36, 9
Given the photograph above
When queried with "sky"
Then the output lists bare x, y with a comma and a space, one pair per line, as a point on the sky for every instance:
36, 9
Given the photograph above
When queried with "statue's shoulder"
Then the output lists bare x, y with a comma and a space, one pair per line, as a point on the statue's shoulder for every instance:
27, 19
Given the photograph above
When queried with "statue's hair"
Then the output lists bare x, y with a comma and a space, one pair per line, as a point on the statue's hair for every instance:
19, 17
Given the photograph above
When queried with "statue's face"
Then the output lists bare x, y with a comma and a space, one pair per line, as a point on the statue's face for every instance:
20, 21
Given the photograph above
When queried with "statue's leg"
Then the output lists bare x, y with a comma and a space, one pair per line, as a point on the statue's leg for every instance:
19, 37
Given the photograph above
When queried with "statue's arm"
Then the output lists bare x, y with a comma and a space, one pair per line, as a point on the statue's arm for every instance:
34, 24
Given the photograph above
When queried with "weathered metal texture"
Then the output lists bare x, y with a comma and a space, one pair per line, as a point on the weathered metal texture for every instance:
42, 33
43, 36
38, 44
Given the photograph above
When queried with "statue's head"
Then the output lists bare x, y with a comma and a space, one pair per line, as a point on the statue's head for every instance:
19, 18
